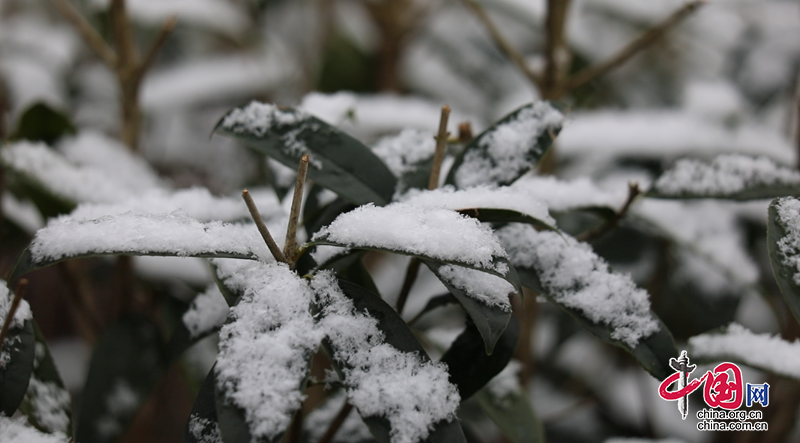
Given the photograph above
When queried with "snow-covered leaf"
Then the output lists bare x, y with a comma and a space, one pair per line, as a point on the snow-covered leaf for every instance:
469, 365
202, 425
484, 296
47, 404
783, 243
607, 304
206, 314
737, 344
15, 430
126, 365
336, 160
17, 353
409, 155
505, 403
402, 396
735, 177
507, 149
428, 233
40, 122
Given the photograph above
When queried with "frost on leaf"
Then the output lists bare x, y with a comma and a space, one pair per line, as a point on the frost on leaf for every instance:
739, 344
575, 277
725, 176
203, 430
265, 348
510, 148
486, 288
412, 393
430, 232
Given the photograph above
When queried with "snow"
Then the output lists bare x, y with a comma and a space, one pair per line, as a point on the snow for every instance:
191, 270
483, 197
430, 232
562, 195
405, 151
506, 382
788, 210
575, 277
22, 315
742, 345
266, 347
411, 393
333, 109
203, 430
160, 234
16, 430
486, 288
352, 430
121, 402
323, 253
725, 175
207, 312
504, 151
23, 213
49, 405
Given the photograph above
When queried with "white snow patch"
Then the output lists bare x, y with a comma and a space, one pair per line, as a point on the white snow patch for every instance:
204, 430
411, 393
561, 195
488, 289
20, 317
432, 232
207, 311
121, 402
742, 345
22, 212
330, 108
788, 210
49, 404
404, 152
265, 349
16, 430
506, 382
574, 276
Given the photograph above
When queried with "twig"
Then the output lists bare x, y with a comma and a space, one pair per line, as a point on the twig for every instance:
441, 144
411, 275
166, 30
290, 245
23, 284
634, 47
89, 34
337, 422
553, 68
633, 192
501, 42
262, 228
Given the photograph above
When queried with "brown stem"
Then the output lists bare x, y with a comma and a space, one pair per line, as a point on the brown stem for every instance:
89, 34
290, 246
633, 48
503, 44
554, 68
797, 121
441, 144
262, 228
296, 431
23, 284
411, 275
633, 192
337, 423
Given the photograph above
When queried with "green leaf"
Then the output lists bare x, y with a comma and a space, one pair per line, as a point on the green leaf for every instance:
20, 346
202, 425
338, 161
126, 364
40, 122
513, 415
507, 149
231, 422
491, 321
783, 270
47, 404
470, 367
398, 335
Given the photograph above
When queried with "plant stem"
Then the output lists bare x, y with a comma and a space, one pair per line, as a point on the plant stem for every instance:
155, 47
503, 44
411, 275
633, 48
337, 423
593, 234
89, 34
290, 245
262, 228
23, 284
441, 144
554, 68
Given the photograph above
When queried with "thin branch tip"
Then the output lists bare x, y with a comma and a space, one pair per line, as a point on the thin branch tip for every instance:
262, 228
290, 245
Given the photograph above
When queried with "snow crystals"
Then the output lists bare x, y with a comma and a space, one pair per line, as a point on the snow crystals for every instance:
575, 277
16, 430
788, 210
207, 312
486, 288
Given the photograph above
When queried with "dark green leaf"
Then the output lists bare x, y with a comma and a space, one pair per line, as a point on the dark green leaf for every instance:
20, 345
488, 215
40, 122
202, 425
339, 162
48, 404
491, 321
398, 335
230, 420
784, 272
470, 367
497, 166
126, 364
513, 415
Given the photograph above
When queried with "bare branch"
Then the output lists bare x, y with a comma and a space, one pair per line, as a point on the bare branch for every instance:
502, 43
262, 228
411, 276
89, 34
290, 245
441, 144
127, 51
633, 192
166, 30
554, 65
633, 48
23, 284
